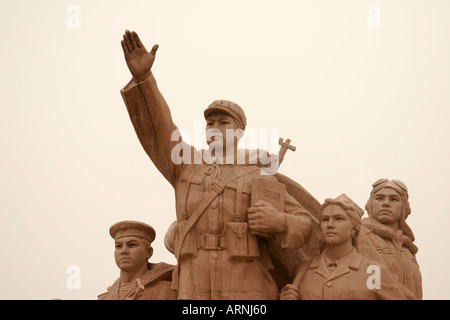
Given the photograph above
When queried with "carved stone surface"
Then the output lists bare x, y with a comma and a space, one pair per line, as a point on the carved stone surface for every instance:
222, 243
139, 279
341, 272
385, 236
245, 231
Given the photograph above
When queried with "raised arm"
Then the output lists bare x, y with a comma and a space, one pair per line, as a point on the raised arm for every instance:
147, 108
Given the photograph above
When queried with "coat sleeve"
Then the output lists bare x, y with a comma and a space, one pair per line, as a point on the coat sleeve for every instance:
152, 121
298, 223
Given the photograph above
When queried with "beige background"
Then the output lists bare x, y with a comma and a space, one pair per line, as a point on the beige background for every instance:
359, 104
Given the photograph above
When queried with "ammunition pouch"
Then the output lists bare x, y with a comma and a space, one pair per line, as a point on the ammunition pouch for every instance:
241, 244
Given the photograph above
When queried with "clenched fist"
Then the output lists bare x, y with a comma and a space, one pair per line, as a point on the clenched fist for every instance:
264, 220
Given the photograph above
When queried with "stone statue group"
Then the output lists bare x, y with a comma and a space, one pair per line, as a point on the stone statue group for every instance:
242, 232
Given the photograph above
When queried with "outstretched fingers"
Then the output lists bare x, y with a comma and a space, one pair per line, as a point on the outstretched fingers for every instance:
127, 38
133, 40
154, 49
124, 48
137, 40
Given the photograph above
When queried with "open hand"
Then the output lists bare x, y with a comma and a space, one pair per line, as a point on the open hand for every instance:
139, 61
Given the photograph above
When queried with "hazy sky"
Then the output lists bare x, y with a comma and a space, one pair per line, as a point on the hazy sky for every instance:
363, 96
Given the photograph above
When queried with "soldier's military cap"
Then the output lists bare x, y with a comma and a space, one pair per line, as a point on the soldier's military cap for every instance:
132, 228
228, 107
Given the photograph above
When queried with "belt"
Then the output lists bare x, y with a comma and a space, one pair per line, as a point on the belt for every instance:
212, 242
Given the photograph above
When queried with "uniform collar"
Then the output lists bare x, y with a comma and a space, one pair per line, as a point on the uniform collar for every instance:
389, 233
156, 272
351, 261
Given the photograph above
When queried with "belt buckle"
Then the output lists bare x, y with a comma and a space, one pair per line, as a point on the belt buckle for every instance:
210, 242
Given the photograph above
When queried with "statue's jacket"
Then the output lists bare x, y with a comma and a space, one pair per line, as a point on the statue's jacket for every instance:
352, 278
393, 249
155, 284
211, 263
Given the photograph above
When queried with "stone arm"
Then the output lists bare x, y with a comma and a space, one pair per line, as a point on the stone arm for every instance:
147, 108
152, 121
299, 225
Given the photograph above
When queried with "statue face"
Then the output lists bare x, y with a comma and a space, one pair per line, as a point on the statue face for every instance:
217, 125
131, 253
387, 206
335, 225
